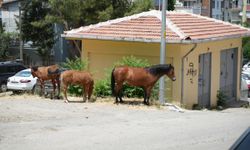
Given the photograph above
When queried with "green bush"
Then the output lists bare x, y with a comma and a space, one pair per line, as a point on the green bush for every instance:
75, 64
221, 98
133, 62
102, 87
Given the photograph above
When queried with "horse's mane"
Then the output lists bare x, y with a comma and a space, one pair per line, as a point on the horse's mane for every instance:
35, 68
159, 69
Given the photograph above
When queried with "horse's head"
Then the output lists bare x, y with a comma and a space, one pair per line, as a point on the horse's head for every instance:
170, 73
34, 70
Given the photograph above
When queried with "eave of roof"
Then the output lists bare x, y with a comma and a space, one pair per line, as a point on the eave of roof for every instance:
145, 40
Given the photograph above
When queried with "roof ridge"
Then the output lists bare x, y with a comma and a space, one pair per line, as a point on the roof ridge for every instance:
109, 22
176, 29
155, 13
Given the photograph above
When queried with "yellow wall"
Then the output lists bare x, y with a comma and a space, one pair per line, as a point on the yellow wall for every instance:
191, 89
102, 54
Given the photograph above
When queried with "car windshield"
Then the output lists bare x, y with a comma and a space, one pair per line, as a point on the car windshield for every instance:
23, 74
246, 76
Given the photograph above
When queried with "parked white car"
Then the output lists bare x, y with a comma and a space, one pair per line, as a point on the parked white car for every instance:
22, 81
244, 88
245, 75
246, 67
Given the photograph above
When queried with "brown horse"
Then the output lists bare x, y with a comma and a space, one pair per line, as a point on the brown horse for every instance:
47, 73
75, 77
141, 77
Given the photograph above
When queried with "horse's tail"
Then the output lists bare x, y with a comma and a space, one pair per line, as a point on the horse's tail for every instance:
113, 82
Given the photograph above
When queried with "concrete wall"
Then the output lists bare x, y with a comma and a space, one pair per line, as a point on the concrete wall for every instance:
102, 55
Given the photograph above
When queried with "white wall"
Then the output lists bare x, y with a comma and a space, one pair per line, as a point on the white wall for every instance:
10, 13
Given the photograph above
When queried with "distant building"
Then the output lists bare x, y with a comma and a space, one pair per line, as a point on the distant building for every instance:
10, 11
247, 12
226, 10
191, 6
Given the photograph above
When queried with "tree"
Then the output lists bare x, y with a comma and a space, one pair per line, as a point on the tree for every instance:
66, 12
5, 39
246, 44
36, 29
171, 4
246, 47
145, 5
139, 6
5, 42
75, 13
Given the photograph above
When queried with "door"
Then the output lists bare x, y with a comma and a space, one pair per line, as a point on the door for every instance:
204, 80
228, 73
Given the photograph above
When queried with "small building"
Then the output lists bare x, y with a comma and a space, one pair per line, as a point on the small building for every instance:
205, 52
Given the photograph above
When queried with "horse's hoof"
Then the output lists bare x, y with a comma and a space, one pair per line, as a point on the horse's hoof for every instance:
66, 101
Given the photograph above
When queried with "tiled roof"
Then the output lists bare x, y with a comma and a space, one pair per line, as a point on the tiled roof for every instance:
180, 27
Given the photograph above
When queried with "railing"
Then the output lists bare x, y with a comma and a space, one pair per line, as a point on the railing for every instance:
190, 9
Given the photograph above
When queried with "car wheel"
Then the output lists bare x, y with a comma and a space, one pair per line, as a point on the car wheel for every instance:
16, 92
3, 87
36, 89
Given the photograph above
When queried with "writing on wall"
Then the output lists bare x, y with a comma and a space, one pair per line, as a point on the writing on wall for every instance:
191, 72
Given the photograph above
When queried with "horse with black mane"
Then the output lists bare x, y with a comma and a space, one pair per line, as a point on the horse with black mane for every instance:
138, 76
47, 73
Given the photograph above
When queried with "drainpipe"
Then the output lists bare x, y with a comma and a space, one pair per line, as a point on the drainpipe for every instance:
182, 70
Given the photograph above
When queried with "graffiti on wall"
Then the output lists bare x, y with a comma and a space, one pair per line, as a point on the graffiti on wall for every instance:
191, 72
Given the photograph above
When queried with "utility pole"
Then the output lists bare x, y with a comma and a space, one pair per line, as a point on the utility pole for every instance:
244, 10
20, 32
159, 4
163, 52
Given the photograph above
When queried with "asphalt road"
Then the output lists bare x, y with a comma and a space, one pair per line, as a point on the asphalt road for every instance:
28, 123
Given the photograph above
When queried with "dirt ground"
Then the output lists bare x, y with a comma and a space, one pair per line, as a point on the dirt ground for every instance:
29, 122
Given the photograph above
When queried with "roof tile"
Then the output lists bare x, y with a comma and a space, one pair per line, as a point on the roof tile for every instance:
147, 25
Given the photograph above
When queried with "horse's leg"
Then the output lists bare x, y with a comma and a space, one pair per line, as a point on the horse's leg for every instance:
120, 96
65, 87
85, 89
148, 94
42, 87
118, 92
54, 87
58, 86
91, 87
145, 96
